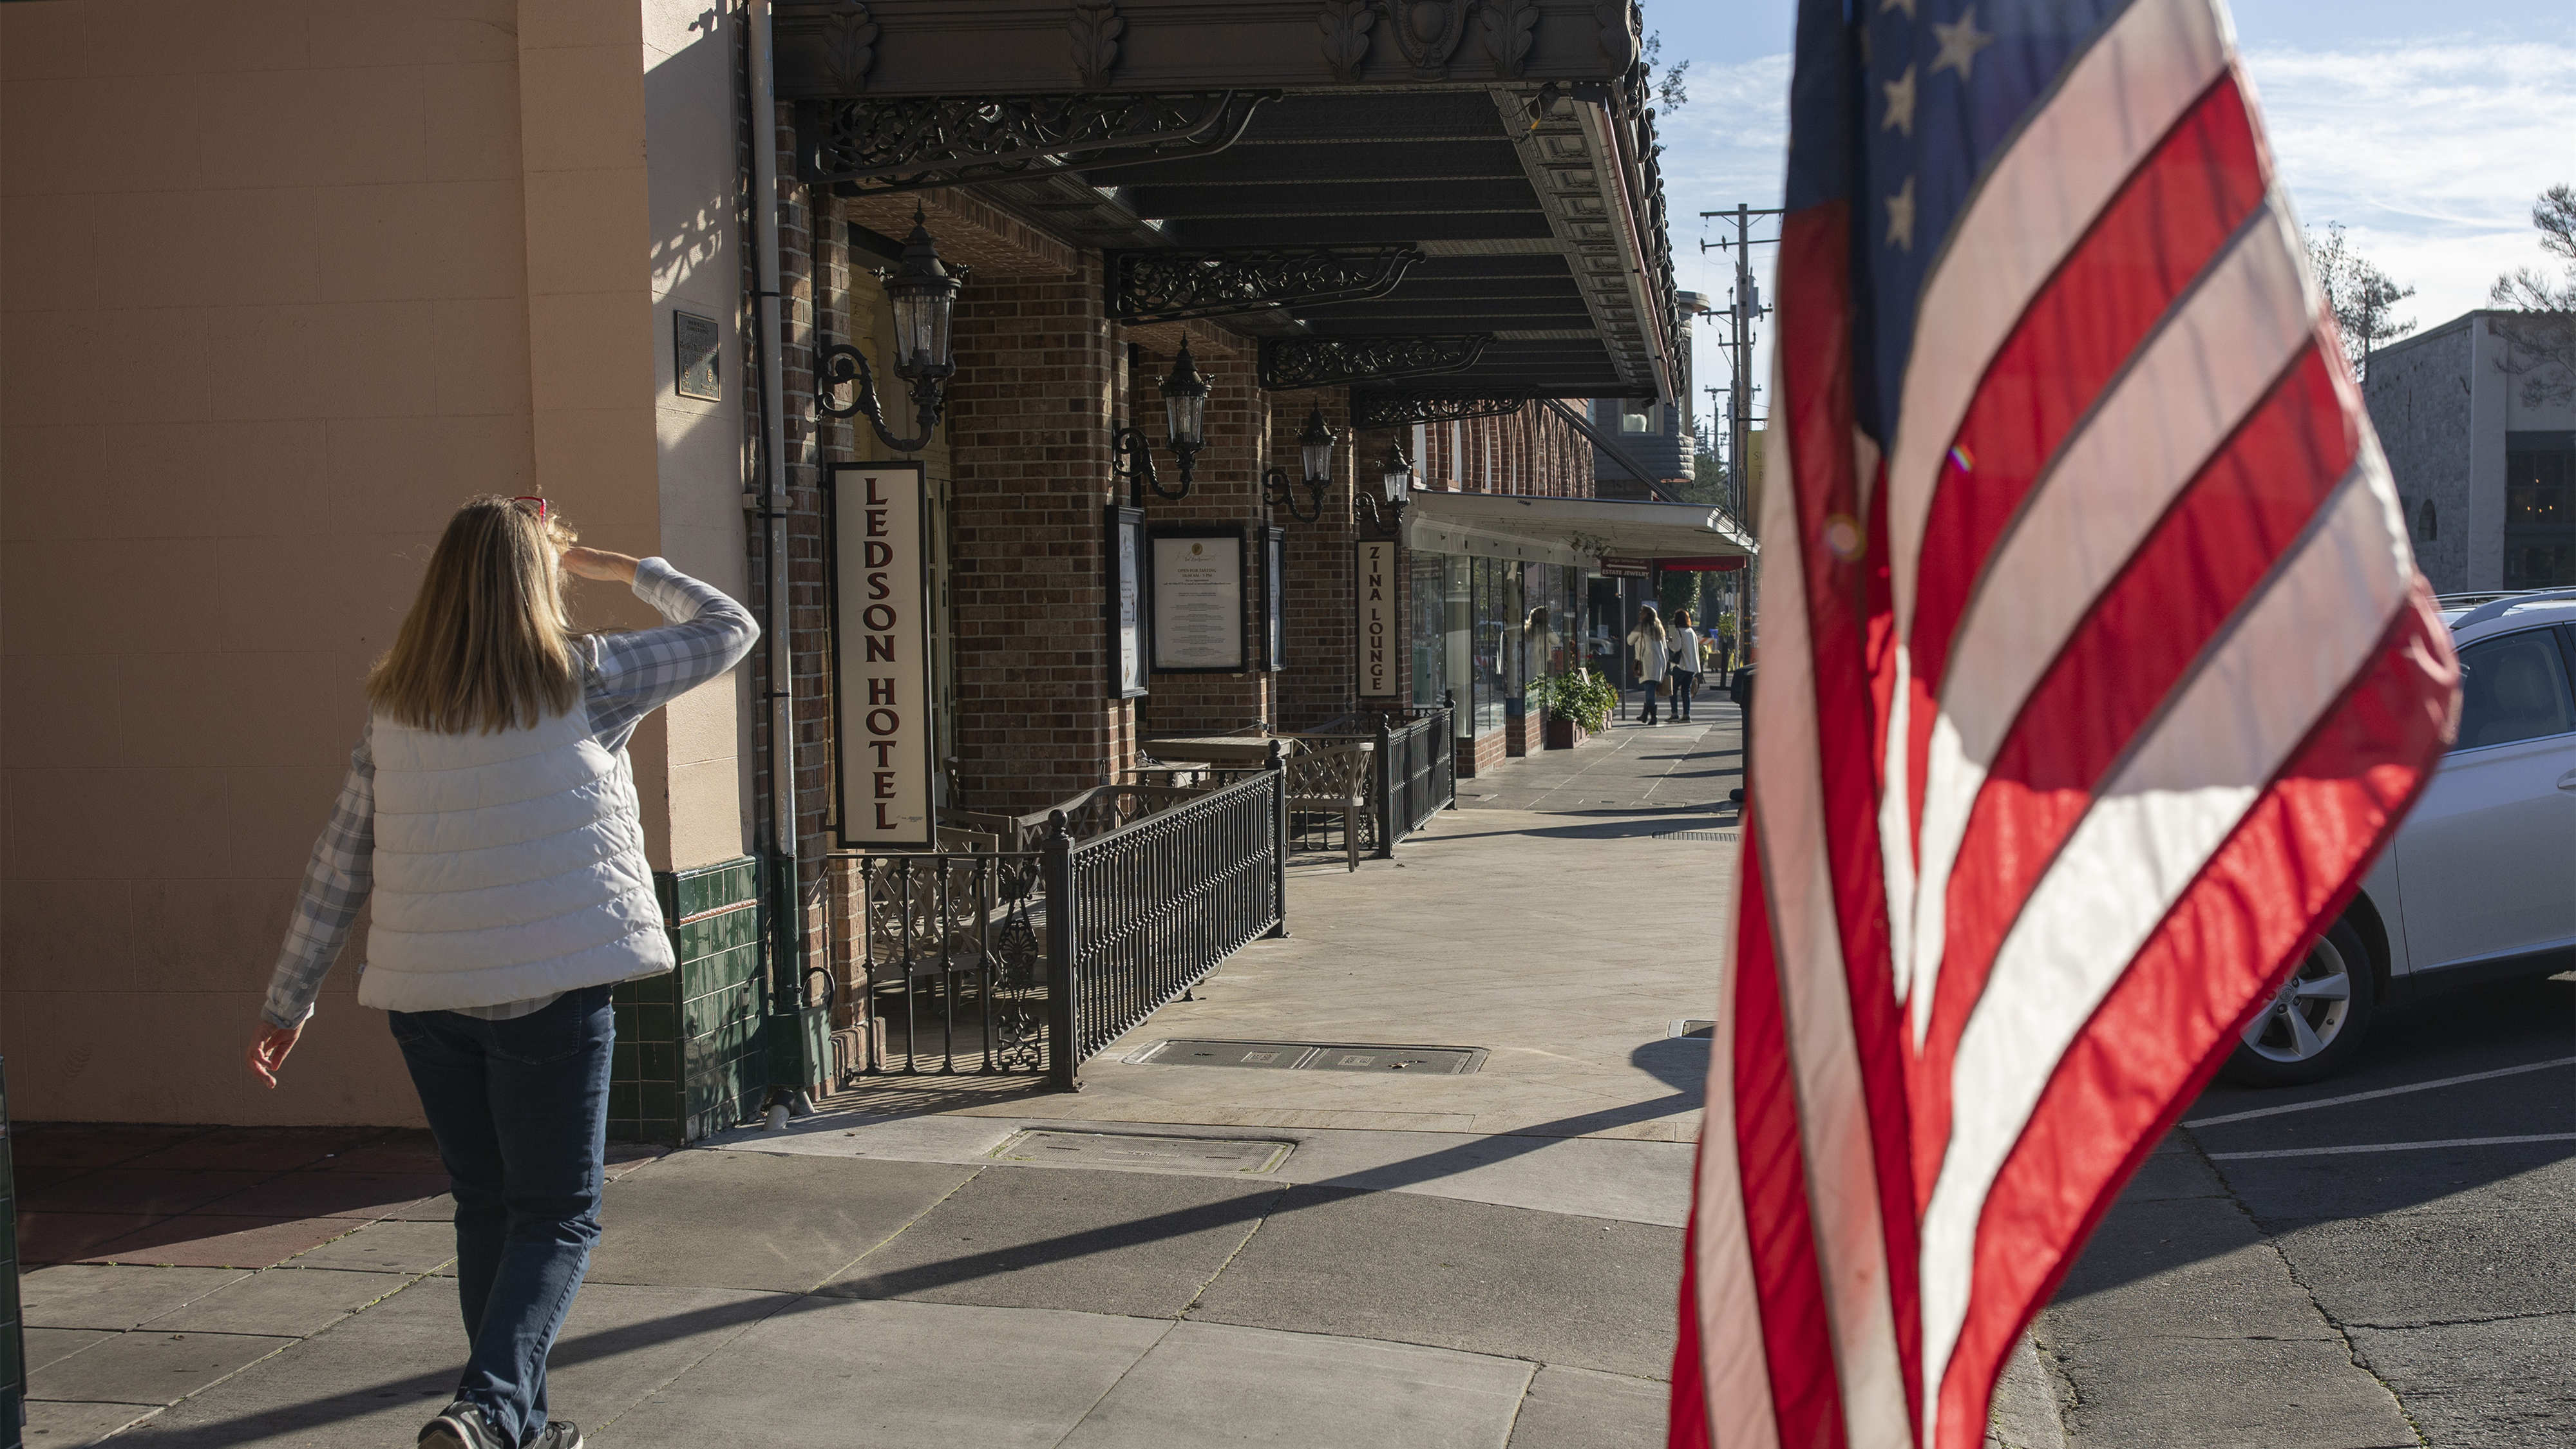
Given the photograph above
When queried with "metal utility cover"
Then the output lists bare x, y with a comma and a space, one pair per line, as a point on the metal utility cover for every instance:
1136, 1152
1315, 1056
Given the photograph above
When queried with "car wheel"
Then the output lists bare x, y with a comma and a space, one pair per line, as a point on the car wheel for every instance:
2315, 1023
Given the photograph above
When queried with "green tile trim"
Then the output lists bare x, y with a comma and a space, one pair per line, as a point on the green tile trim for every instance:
688, 1056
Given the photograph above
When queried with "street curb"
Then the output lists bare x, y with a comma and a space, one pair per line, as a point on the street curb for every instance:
2024, 1414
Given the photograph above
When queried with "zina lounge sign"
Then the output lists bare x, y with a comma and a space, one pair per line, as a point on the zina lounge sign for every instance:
880, 655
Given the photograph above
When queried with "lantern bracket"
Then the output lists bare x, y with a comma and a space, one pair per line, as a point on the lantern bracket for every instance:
839, 363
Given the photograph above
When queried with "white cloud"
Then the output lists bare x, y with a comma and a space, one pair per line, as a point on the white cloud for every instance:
2430, 153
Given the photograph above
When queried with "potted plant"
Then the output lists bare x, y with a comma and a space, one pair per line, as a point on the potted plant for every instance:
1578, 704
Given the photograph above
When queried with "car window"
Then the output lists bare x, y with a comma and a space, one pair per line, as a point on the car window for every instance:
2513, 688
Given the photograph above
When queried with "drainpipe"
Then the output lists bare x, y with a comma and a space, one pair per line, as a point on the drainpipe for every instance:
786, 894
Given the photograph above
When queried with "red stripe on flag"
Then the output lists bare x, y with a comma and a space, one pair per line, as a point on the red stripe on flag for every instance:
2289, 867
1848, 620
2167, 223
2226, 531
1797, 1339
1687, 1426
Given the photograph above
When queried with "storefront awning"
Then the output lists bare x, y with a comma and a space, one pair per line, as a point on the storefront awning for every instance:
1570, 530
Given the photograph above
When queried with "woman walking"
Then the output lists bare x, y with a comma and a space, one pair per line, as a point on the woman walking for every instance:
1685, 650
1651, 656
511, 892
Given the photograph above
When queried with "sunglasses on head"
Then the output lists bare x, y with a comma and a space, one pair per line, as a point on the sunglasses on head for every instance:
532, 498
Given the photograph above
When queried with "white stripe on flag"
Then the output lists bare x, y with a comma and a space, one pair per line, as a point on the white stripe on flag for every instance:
2191, 383
2116, 103
1735, 1375
2147, 837
1833, 1114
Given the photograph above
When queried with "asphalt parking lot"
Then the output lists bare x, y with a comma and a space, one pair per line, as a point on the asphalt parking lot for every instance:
2384, 1259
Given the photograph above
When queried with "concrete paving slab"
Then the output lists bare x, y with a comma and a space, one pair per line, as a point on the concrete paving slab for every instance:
1210, 1384
290, 1302
1137, 1244
76, 1426
204, 1240
2506, 1384
70, 1237
2457, 1267
391, 1246
2226, 1394
1586, 1292
1570, 1408
2027, 1412
87, 1144
867, 1373
273, 1149
113, 1296
149, 1367
368, 1195
45, 1347
2186, 1266
372, 1379
147, 1191
1592, 1176
757, 1221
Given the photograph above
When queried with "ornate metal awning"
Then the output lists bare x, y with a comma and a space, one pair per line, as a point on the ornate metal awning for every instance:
1291, 147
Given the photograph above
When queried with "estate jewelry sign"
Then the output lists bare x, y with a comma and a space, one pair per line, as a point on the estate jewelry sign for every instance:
1377, 642
1128, 626
880, 654
1198, 601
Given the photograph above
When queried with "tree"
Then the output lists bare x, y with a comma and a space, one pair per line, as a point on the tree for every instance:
2540, 343
1670, 84
2360, 294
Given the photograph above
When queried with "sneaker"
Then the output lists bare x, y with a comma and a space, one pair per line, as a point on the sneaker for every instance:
462, 1426
557, 1434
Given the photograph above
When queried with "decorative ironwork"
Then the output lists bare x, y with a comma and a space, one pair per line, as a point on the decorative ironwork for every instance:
947, 955
1505, 27
1291, 362
1346, 25
1428, 31
868, 146
1404, 409
1096, 28
1171, 286
1139, 915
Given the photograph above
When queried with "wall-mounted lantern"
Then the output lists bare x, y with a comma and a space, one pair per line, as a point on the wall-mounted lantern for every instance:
1395, 487
1185, 398
923, 293
1315, 450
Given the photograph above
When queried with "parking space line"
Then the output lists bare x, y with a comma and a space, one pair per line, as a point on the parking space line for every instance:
2394, 1146
2382, 1092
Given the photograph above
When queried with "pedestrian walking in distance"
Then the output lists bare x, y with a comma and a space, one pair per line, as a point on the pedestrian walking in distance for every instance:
1683, 643
1650, 655
510, 894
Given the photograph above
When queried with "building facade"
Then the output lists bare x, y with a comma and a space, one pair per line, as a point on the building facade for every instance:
635, 260
2484, 456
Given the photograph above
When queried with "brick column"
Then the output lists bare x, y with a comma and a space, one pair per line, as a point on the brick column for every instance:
1321, 679
1225, 492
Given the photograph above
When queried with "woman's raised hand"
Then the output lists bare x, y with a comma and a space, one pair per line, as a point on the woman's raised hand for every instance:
599, 563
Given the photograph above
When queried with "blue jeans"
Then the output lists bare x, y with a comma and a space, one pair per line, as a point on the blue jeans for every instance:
1685, 684
520, 1111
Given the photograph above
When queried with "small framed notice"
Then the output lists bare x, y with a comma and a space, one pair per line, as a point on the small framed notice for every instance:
696, 345
1198, 604
1130, 619
1274, 599
880, 619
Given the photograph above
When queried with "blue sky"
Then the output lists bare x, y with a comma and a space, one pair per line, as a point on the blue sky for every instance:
2426, 130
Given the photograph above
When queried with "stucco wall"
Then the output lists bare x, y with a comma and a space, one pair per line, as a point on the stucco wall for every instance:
2420, 403
284, 283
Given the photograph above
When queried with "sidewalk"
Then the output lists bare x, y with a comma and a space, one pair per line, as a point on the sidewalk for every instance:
1177, 1255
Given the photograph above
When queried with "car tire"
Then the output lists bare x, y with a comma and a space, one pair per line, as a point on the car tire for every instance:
2307, 1032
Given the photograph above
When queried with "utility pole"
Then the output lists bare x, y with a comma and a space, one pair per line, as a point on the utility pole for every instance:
1746, 306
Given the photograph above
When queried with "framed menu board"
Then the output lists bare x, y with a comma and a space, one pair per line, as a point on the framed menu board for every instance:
1130, 617
1197, 608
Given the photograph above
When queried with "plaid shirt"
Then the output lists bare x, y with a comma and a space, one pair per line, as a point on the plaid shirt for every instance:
627, 676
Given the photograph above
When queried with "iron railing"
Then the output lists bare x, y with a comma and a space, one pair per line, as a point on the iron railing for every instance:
1146, 911
945, 950
1417, 773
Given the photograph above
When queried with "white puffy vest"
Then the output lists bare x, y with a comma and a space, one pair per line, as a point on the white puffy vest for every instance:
508, 866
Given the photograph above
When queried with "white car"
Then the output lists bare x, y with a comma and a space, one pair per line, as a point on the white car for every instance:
2480, 883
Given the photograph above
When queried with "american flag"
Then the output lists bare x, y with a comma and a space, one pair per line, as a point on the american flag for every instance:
2094, 671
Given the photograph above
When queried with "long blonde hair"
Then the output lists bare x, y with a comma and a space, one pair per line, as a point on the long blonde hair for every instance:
487, 645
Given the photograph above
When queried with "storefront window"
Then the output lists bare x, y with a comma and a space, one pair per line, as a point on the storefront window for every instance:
1499, 677
1458, 613
2539, 510
1427, 628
